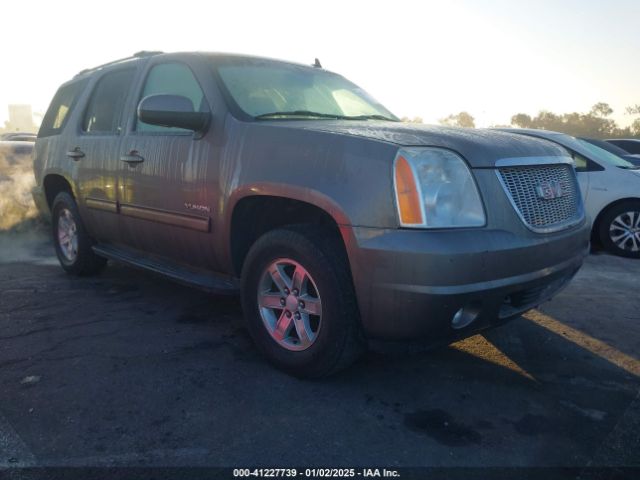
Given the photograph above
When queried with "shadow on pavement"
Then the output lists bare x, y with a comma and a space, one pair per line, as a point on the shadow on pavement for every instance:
129, 369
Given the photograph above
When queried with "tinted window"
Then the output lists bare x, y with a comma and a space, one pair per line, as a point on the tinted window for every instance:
60, 108
172, 79
103, 112
631, 147
598, 154
627, 145
609, 147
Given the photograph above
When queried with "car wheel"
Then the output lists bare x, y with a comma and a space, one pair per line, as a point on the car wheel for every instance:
299, 301
620, 229
71, 241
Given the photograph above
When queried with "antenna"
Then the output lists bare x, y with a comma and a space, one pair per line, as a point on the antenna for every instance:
317, 64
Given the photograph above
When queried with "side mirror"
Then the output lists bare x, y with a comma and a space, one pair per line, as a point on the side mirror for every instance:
172, 111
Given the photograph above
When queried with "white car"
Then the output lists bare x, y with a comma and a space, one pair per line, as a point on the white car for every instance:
611, 190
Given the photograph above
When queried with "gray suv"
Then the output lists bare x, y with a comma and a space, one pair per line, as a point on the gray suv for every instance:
336, 222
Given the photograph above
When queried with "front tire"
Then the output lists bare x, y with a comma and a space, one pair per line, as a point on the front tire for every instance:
619, 229
299, 302
71, 240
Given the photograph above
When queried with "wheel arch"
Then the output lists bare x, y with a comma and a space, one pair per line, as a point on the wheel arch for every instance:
258, 209
53, 184
595, 226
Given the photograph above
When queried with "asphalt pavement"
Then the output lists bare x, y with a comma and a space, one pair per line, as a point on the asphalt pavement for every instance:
127, 369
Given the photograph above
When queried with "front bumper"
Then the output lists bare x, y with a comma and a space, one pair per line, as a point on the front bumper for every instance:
442, 285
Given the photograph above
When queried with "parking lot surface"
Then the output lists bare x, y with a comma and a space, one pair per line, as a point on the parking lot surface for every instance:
129, 369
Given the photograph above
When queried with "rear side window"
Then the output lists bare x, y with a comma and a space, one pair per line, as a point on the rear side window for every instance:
627, 146
60, 108
104, 110
631, 147
172, 79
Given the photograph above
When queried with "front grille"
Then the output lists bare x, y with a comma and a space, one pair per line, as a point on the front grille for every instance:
524, 186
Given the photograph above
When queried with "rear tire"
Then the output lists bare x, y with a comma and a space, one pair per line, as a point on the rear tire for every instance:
71, 240
619, 229
323, 335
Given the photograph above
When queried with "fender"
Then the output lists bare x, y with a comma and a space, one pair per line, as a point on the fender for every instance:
281, 190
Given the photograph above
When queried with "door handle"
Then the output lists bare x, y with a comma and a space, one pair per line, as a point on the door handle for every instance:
132, 158
75, 154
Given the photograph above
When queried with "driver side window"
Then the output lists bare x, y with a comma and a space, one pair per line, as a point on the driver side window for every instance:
172, 79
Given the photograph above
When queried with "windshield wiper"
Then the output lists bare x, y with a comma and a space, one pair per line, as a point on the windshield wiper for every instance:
298, 113
370, 117
333, 116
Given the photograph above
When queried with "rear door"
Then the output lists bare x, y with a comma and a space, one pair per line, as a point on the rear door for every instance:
169, 176
57, 132
95, 149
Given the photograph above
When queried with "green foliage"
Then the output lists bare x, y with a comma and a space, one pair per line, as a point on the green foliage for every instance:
411, 120
633, 110
595, 123
592, 124
462, 119
601, 109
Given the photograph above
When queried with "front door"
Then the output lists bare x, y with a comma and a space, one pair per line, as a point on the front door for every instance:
168, 177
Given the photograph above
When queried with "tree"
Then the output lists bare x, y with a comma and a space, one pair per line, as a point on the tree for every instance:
595, 123
592, 124
634, 129
601, 109
462, 119
411, 120
521, 120
634, 109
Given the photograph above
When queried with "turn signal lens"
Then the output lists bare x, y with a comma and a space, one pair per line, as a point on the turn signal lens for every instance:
407, 193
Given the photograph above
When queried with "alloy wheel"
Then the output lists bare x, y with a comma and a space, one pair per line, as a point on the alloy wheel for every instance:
624, 231
289, 304
67, 235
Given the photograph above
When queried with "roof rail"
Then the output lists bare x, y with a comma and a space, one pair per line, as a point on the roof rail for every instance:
140, 54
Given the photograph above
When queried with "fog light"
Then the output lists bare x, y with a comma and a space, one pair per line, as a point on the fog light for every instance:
465, 316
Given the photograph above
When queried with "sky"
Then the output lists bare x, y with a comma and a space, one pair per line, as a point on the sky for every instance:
492, 58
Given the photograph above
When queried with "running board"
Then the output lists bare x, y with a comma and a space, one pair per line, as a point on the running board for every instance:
209, 282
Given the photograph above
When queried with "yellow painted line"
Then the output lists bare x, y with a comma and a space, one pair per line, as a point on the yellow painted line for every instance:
480, 347
595, 346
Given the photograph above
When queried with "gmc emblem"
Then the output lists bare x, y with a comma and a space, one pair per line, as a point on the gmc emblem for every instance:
551, 189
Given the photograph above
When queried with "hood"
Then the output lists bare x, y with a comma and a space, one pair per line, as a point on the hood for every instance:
481, 148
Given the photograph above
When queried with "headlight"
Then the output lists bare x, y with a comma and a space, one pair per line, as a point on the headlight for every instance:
435, 189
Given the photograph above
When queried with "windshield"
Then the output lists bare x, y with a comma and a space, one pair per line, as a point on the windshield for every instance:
273, 90
608, 157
